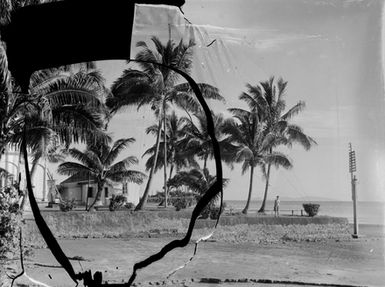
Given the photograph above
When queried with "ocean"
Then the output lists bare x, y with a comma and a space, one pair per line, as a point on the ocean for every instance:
367, 212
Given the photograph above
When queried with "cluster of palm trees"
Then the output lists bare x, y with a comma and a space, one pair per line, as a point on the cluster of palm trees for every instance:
251, 136
160, 88
259, 131
71, 104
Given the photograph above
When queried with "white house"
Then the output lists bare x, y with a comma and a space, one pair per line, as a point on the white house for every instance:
77, 186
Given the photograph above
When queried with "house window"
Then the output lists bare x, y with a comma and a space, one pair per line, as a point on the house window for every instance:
90, 191
106, 192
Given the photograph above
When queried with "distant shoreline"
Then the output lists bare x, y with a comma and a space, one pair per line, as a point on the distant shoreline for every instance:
305, 200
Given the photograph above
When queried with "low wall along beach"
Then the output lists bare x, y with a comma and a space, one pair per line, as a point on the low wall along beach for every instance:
102, 224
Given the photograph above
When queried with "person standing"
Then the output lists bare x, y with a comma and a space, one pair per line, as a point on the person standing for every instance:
276, 207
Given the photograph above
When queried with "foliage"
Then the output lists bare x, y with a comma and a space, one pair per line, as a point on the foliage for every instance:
268, 99
61, 103
66, 205
10, 220
311, 208
180, 203
213, 211
156, 198
181, 200
198, 142
253, 140
205, 213
117, 201
129, 206
157, 86
196, 180
178, 154
98, 162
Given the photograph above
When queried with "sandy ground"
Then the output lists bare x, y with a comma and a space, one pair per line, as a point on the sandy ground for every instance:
358, 262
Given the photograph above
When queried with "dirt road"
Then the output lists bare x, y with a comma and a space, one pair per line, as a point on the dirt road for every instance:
354, 262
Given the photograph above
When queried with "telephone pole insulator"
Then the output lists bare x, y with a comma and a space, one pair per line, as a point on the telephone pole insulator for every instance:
352, 170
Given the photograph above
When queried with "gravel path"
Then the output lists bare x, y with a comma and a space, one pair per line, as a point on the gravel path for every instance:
354, 262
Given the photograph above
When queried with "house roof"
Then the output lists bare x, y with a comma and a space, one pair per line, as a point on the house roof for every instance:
80, 177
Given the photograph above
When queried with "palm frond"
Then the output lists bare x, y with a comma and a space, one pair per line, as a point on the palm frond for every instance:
123, 164
208, 91
128, 175
132, 88
71, 168
296, 135
87, 158
116, 149
297, 108
279, 160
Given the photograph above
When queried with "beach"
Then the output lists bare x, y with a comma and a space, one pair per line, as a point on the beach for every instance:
350, 262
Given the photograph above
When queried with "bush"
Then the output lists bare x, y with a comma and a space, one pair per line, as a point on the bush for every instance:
311, 208
205, 213
181, 200
215, 211
66, 205
180, 203
130, 206
10, 221
212, 211
117, 201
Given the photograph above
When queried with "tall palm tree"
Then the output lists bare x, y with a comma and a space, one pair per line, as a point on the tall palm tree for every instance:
98, 162
158, 86
178, 155
270, 97
198, 141
253, 143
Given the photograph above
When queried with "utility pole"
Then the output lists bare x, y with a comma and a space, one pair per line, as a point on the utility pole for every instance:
352, 170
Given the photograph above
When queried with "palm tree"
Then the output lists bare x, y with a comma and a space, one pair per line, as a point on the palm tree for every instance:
62, 102
198, 141
197, 180
178, 155
253, 143
158, 86
98, 162
270, 97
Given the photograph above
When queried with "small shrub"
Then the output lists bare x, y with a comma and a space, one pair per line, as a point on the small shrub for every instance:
117, 201
311, 208
129, 206
180, 203
205, 213
67, 205
181, 200
214, 213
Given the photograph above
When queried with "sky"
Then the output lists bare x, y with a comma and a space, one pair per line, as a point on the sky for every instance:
330, 54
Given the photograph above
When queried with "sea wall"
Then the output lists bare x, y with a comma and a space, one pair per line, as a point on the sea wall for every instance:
79, 224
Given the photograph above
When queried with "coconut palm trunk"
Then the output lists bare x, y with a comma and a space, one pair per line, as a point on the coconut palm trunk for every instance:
165, 152
100, 188
244, 211
262, 208
87, 194
170, 172
143, 200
